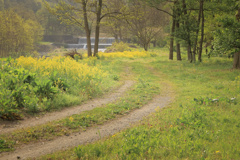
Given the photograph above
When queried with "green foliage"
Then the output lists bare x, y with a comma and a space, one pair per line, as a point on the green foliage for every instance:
18, 36
44, 88
201, 123
227, 37
21, 89
118, 47
133, 99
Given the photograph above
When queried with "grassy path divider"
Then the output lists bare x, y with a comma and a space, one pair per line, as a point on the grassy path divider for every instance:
57, 123
93, 134
89, 105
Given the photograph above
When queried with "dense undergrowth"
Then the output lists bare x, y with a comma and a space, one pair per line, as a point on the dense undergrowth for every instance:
201, 123
31, 85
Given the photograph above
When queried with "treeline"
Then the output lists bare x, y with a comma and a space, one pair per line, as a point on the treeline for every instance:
194, 26
201, 25
23, 24
17, 35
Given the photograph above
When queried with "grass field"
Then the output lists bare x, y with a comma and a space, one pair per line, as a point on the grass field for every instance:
202, 122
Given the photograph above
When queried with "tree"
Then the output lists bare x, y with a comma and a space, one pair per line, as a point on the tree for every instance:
227, 39
171, 8
115, 24
1, 5
85, 13
144, 23
52, 26
17, 35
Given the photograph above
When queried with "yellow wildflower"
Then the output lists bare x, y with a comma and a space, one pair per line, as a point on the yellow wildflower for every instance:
71, 119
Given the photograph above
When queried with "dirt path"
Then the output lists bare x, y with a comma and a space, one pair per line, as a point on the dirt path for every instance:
6, 127
92, 134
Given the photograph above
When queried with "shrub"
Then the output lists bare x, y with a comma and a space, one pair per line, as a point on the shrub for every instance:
118, 47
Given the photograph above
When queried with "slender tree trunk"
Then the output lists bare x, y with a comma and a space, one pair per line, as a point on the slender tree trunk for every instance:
202, 33
97, 32
116, 38
155, 43
236, 61
197, 31
185, 23
86, 26
172, 38
120, 34
190, 52
179, 58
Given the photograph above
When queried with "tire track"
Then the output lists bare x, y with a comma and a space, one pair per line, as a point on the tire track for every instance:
12, 126
92, 134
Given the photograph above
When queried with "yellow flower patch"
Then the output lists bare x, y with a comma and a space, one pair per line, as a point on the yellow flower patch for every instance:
125, 54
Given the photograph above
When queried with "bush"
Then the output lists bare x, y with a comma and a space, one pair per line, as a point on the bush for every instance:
24, 91
74, 54
118, 47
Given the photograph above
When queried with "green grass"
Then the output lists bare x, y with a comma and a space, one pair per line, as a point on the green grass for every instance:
143, 91
192, 127
45, 43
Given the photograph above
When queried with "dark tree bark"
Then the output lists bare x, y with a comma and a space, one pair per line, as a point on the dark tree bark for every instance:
99, 12
197, 31
179, 58
202, 33
190, 52
236, 61
86, 26
172, 38
189, 46
116, 38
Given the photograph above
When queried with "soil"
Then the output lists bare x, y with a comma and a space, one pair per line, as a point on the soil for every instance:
91, 134
9, 126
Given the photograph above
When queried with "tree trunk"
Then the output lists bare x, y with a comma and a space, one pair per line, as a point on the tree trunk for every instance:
116, 38
189, 49
189, 53
179, 58
86, 26
97, 32
155, 43
120, 34
172, 38
202, 34
236, 61
197, 31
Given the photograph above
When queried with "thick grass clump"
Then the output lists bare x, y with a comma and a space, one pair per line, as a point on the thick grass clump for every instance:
31, 85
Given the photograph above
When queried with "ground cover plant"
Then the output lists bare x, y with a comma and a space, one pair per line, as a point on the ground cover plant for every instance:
201, 123
31, 85
143, 91
126, 54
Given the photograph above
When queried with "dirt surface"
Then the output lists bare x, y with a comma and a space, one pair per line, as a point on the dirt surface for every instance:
92, 134
6, 127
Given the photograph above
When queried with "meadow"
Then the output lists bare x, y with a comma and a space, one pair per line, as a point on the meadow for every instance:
202, 122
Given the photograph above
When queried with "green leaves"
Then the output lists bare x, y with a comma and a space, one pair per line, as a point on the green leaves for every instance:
17, 35
227, 37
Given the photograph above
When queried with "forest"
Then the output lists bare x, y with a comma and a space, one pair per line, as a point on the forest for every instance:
194, 26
